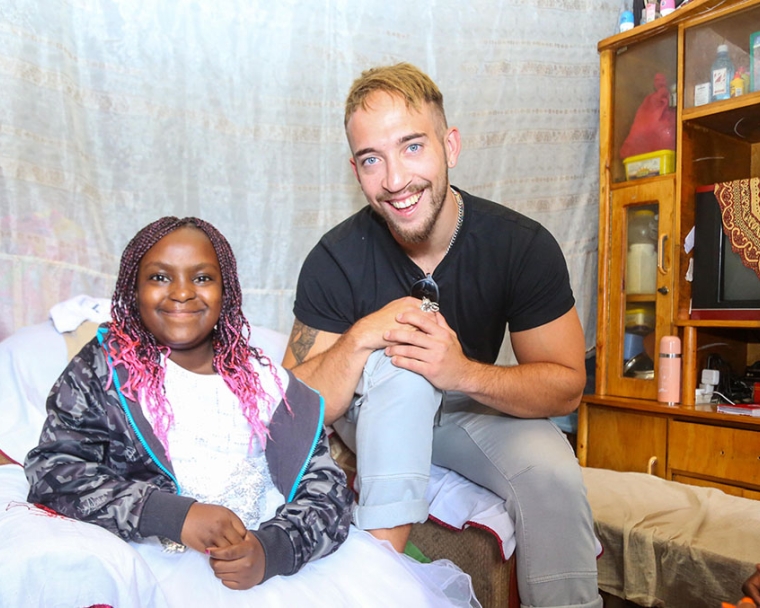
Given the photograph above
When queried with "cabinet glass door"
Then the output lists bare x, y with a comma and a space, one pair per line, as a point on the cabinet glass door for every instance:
643, 138
641, 284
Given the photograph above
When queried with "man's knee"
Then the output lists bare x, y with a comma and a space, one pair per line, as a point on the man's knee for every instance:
387, 386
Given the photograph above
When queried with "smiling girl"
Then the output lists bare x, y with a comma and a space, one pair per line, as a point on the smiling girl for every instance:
168, 424
170, 431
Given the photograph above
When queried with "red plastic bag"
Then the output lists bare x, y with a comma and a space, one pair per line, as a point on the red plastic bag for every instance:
654, 126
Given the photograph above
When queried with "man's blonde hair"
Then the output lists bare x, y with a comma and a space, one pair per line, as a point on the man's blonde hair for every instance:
403, 80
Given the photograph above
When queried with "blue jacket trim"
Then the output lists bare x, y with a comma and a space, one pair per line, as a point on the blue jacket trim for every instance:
314, 442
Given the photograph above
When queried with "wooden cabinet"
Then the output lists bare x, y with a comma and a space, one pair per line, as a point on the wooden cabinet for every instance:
644, 284
696, 446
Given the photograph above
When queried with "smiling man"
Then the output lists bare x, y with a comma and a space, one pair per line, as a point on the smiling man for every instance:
400, 314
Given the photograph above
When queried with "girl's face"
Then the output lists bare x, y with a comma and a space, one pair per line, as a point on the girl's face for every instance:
179, 295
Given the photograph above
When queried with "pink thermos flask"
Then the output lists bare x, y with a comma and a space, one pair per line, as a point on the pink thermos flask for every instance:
669, 378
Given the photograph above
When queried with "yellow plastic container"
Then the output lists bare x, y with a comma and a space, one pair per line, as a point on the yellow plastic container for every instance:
658, 162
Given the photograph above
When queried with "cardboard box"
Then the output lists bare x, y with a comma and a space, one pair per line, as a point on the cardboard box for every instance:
702, 93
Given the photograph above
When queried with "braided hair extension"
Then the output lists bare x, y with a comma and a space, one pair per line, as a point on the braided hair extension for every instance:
137, 349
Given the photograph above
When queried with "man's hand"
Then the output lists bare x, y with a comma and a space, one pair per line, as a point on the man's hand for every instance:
425, 344
398, 315
239, 566
208, 526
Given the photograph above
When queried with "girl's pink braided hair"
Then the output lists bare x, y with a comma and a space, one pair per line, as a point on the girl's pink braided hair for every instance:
132, 346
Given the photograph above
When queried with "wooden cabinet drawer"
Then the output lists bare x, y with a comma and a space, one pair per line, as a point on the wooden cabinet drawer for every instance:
712, 451
626, 441
724, 487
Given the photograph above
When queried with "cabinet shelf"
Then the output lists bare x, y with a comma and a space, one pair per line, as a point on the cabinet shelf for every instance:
641, 181
695, 11
717, 323
640, 297
737, 117
697, 413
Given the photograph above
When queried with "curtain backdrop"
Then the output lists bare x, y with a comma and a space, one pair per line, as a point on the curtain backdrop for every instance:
116, 112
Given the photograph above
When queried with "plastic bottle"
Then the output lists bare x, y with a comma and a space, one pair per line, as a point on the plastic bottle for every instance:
667, 7
744, 73
722, 74
669, 373
650, 11
625, 21
641, 260
737, 85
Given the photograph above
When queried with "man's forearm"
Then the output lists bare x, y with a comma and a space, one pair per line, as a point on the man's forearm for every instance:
527, 390
335, 373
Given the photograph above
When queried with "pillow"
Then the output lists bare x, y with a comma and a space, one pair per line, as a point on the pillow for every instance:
30, 362
33, 357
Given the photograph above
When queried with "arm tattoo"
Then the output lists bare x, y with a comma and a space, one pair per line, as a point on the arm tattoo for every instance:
301, 340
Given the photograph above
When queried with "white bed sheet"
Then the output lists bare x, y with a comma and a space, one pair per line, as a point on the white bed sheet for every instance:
48, 560
60, 562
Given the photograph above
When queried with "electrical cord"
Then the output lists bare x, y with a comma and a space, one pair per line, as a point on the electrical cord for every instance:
724, 397
730, 387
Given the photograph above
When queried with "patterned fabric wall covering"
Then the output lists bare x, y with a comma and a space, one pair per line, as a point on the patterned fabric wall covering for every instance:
115, 113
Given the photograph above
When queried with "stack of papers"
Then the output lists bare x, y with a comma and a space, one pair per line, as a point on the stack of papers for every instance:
742, 409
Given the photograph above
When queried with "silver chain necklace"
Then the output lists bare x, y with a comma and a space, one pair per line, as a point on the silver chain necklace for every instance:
460, 219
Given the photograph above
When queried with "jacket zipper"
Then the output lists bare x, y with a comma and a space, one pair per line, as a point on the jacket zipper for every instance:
128, 413
315, 440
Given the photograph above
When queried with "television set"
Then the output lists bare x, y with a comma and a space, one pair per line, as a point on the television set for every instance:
722, 287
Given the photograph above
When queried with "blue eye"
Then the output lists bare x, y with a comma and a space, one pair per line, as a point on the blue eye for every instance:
414, 147
370, 161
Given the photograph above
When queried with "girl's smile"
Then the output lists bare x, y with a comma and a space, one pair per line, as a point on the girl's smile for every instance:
179, 295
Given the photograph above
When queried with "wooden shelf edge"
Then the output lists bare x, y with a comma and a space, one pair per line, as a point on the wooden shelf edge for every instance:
720, 107
704, 413
690, 11
716, 323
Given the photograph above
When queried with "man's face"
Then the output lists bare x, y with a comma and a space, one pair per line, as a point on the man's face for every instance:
401, 158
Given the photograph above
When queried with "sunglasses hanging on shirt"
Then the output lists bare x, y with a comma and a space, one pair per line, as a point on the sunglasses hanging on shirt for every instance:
426, 289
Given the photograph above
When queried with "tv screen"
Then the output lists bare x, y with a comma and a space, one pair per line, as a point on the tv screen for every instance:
722, 286
740, 283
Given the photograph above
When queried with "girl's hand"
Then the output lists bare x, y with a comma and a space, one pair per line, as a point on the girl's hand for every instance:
239, 566
208, 526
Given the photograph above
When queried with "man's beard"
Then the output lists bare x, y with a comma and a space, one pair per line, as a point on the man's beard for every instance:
422, 233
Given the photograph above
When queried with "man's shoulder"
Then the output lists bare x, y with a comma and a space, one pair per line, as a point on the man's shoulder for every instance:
498, 216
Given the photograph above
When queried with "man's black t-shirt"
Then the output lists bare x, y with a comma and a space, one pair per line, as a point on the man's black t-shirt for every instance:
503, 269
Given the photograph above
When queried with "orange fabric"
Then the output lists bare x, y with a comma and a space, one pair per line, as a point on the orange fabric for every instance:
740, 210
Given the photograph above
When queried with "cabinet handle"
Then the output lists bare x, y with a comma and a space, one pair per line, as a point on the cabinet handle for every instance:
661, 256
664, 290
651, 465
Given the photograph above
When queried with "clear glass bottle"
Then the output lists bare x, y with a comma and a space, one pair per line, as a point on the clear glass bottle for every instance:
722, 74
641, 258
